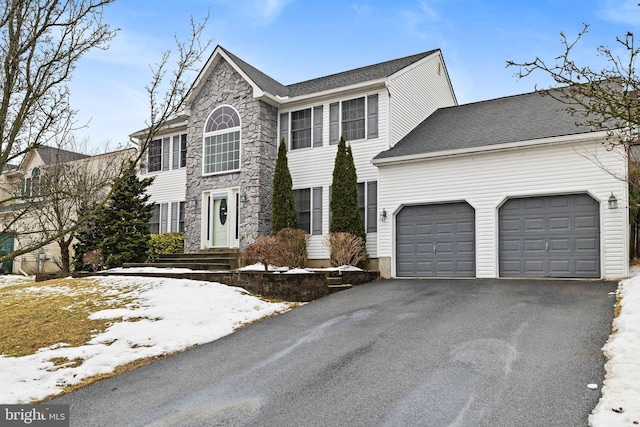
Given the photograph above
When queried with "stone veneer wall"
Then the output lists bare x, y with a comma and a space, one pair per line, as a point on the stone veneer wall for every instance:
258, 149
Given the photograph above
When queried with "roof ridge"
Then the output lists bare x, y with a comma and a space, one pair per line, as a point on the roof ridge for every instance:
418, 56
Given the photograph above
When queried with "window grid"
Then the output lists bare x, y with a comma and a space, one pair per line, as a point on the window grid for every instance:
222, 152
155, 156
302, 199
353, 119
301, 129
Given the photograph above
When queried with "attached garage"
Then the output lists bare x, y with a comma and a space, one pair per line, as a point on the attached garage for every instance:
554, 236
436, 241
539, 186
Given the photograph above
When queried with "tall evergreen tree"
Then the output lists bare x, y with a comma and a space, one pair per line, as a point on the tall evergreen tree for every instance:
125, 221
344, 194
89, 237
283, 214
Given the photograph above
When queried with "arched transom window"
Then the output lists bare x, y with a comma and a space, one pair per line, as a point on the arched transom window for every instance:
221, 148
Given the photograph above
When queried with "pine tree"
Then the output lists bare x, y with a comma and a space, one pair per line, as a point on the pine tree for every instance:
344, 194
89, 237
125, 221
283, 214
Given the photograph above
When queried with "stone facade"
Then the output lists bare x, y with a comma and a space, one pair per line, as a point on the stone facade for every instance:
258, 151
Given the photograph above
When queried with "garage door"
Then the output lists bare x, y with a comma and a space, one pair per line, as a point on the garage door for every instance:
436, 240
555, 236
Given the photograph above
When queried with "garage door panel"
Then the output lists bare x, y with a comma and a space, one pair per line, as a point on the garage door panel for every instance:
533, 224
449, 228
586, 244
559, 223
559, 237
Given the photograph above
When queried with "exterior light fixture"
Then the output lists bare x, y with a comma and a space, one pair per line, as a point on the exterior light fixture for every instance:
383, 215
243, 197
613, 202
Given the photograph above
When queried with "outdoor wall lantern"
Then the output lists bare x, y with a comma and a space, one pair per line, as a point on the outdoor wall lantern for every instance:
243, 197
613, 202
383, 215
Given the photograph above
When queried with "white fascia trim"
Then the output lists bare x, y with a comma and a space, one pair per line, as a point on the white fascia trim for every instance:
331, 93
595, 136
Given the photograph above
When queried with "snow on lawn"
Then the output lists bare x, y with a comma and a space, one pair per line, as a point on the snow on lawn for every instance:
170, 315
620, 401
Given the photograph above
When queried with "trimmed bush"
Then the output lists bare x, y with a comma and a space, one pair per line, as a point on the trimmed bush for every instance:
346, 249
266, 250
294, 245
165, 243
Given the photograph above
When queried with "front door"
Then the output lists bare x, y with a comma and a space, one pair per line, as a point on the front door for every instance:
219, 220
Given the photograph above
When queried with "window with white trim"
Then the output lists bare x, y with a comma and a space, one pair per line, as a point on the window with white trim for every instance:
302, 128
354, 119
165, 153
221, 148
31, 184
309, 207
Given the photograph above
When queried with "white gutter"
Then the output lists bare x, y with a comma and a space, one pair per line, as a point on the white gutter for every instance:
595, 136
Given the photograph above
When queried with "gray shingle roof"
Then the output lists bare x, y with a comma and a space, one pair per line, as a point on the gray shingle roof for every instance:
516, 118
51, 155
333, 81
263, 81
358, 75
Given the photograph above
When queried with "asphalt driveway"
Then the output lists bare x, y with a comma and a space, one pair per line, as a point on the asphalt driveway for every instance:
390, 353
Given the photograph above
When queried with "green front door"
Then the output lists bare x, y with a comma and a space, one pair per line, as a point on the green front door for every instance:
220, 223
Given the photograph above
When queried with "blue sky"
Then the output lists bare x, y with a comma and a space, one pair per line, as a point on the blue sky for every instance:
297, 40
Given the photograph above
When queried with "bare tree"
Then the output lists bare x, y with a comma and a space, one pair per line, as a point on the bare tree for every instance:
65, 186
40, 45
601, 98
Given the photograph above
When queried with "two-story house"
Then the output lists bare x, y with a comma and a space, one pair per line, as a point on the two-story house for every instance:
214, 167
501, 188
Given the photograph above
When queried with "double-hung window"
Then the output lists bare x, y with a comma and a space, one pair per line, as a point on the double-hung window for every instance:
31, 185
155, 156
354, 119
309, 207
302, 128
179, 151
221, 148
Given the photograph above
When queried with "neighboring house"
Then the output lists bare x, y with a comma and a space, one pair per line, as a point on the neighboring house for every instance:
510, 187
24, 183
235, 117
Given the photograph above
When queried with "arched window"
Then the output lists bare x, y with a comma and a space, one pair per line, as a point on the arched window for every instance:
221, 147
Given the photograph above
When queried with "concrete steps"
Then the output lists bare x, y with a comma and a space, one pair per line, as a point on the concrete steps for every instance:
211, 260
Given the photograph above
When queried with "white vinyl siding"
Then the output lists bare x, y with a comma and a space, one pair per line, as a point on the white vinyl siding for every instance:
321, 174
416, 92
486, 180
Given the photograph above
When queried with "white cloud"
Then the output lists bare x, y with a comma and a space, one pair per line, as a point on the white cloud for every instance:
261, 12
361, 9
421, 22
621, 12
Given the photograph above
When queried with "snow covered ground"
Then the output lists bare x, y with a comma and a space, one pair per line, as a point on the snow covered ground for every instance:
171, 315
620, 401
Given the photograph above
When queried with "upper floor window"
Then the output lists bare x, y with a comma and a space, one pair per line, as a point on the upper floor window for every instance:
221, 148
302, 128
167, 152
31, 184
354, 119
